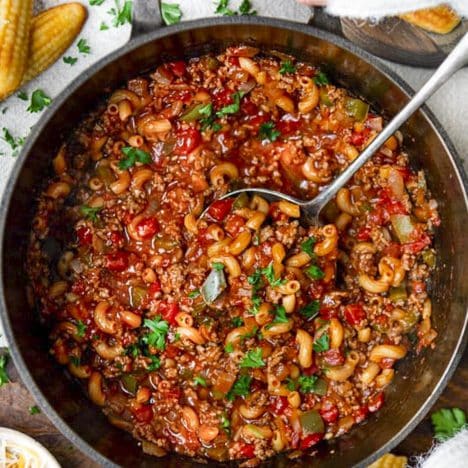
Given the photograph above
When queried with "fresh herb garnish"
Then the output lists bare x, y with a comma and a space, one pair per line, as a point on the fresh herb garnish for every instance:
308, 246
249, 334
157, 336
322, 344
241, 387
83, 46
132, 156
217, 266
231, 108
447, 422
268, 131
253, 358
23, 95
314, 272
229, 348
256, 302
15, 143
237, 322
39, 100
171, 13
287, 67
225, 423
269, 274
122, 14
291, 385
90, 212
70, 60
132, 350
81, 328
307, 383
321, 79
34, 410
75, 360
103, 27
280, 315
245, 8
4, 378
193, 294
96, 2
311, 310
222, 8
198, 380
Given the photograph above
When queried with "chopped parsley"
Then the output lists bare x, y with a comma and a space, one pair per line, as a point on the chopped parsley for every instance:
314, 272
322, 344
171, 13
217, 266
280, 315
256, 302
154, 364
245, 8
291, 385
287, 67
15, 143
80, 329
83, 46
241, 387
268, 131
39, 100
308, 246
253, 358
103, 27
157, 335
447, 422
321, 79
311, 310
23, 95
229, 348
4, 378
96, 2
225, 423
70, 60
231, 108
222, 8
307, 383
249, 334
133, 350
90, 212
198, 380
255, 279
193, 294
132, 156
121, 15
75, 360
34, 410
237, 321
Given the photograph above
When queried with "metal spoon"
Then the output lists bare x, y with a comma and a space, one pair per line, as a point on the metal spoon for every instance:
311, 209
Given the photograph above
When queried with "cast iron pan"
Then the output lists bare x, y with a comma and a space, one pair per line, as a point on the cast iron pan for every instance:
420, 379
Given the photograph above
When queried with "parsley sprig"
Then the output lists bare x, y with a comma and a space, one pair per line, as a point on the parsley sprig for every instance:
83, 46
132, 156
157, 336
121, 14
90, 212
308, 246
311, 310
70, 60
171, 13
321, 344
241, 387
81, 328
15, 143
245, 8
280, 315
253, 358
231, 108
321, 79
287, 67
447, 422
268, 131
39, 100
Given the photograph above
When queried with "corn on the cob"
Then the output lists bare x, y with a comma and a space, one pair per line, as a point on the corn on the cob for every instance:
390, 461
15, 22
52, 32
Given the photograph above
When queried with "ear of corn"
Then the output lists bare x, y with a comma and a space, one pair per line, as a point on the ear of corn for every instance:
52, 32
15, 18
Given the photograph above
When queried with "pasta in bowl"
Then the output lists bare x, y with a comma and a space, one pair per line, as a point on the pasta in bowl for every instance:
240, 334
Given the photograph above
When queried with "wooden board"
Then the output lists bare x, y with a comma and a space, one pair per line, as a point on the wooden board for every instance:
15, 402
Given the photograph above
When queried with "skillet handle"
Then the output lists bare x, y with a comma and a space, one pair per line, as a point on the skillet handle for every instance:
146, 17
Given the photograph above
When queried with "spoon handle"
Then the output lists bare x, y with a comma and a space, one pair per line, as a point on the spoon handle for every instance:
454, 61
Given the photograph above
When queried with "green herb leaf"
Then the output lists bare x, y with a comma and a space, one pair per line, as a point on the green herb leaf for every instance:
75, 360
133, 350
122, 14
447, 422
217, 266
287, 67
4, 378
81, 328
222, 8
39, 100
322, 344
132, 156
23, 95
34, 410
255, 279
90, 212
256, 302
231, 108
193, 294
103, 27
268, 131
171, 13
155, 363
241, 387
280, 315
291, 385
245, 8
229, 348
321, 79
70, 60
307, 383
157, 336
311, 310
96, 2
253, 358
308, 246
83, 46
15, 143
237, 322
225, 423
198, 380
314, 272
269, 274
